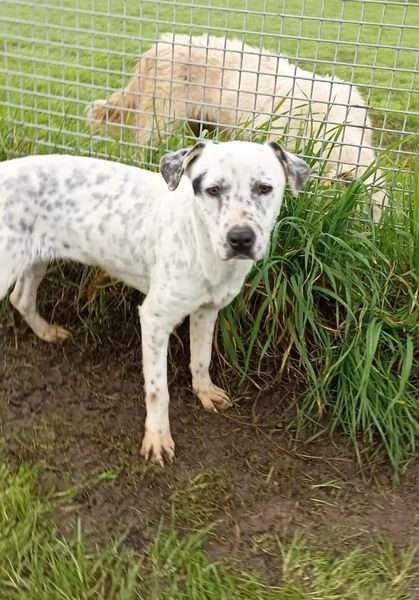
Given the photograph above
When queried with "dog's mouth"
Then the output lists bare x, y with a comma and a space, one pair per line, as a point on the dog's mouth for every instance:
232, 255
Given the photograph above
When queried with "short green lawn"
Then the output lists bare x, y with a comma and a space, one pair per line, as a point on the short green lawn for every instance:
317, 298
37, 563
59, 57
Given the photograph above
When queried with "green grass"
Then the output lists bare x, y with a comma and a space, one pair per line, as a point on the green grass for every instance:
334, 303
36, 562
337, 304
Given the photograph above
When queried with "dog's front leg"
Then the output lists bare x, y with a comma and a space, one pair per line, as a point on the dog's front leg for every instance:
202, 324
155, 331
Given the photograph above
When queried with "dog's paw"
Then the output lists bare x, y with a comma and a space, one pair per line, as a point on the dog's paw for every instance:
157, 447
53, 334
215, 399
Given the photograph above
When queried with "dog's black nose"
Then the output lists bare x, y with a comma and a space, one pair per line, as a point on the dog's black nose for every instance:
241, 239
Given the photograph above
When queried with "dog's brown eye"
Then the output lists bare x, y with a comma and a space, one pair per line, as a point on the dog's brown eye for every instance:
264, 188
213, 191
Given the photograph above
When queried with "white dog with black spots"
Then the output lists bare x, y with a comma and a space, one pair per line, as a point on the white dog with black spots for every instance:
186, 238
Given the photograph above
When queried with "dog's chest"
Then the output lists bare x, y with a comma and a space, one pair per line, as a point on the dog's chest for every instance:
225, 284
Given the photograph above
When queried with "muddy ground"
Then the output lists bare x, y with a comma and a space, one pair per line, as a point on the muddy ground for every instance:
78, 410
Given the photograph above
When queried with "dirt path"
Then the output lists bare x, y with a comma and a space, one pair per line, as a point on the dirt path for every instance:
79, 412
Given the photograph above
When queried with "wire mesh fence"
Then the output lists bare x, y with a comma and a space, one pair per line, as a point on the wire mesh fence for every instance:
238, 68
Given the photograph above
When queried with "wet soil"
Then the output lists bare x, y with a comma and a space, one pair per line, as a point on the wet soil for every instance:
77, 409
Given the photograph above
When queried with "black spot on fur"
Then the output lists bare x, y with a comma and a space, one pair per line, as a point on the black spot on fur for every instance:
197, 184
102, 178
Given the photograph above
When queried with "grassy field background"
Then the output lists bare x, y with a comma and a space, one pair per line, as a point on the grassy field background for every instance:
334, 304
59, 56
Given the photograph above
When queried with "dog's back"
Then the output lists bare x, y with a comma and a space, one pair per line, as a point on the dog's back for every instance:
224, 82
218, 83
67, 206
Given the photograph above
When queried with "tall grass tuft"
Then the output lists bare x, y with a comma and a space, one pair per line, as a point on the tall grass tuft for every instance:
336, 300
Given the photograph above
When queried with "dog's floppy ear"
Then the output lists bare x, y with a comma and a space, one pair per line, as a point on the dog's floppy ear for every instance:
174, 164
296, 169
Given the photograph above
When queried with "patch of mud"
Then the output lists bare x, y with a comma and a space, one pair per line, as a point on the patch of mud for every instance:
78, 409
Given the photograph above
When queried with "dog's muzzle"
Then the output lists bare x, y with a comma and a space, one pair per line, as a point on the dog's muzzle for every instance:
241, 240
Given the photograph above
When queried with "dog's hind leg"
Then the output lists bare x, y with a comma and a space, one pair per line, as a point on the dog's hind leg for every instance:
23, 298
202, 324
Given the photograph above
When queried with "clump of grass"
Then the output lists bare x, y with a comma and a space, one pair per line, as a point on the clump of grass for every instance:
336, 301
35, 562
13, 142
181, 570
362, 573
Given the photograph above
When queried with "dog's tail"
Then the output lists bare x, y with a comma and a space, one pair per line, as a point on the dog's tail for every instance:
116, 110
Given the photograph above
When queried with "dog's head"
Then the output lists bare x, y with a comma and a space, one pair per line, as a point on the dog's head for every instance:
238, 187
